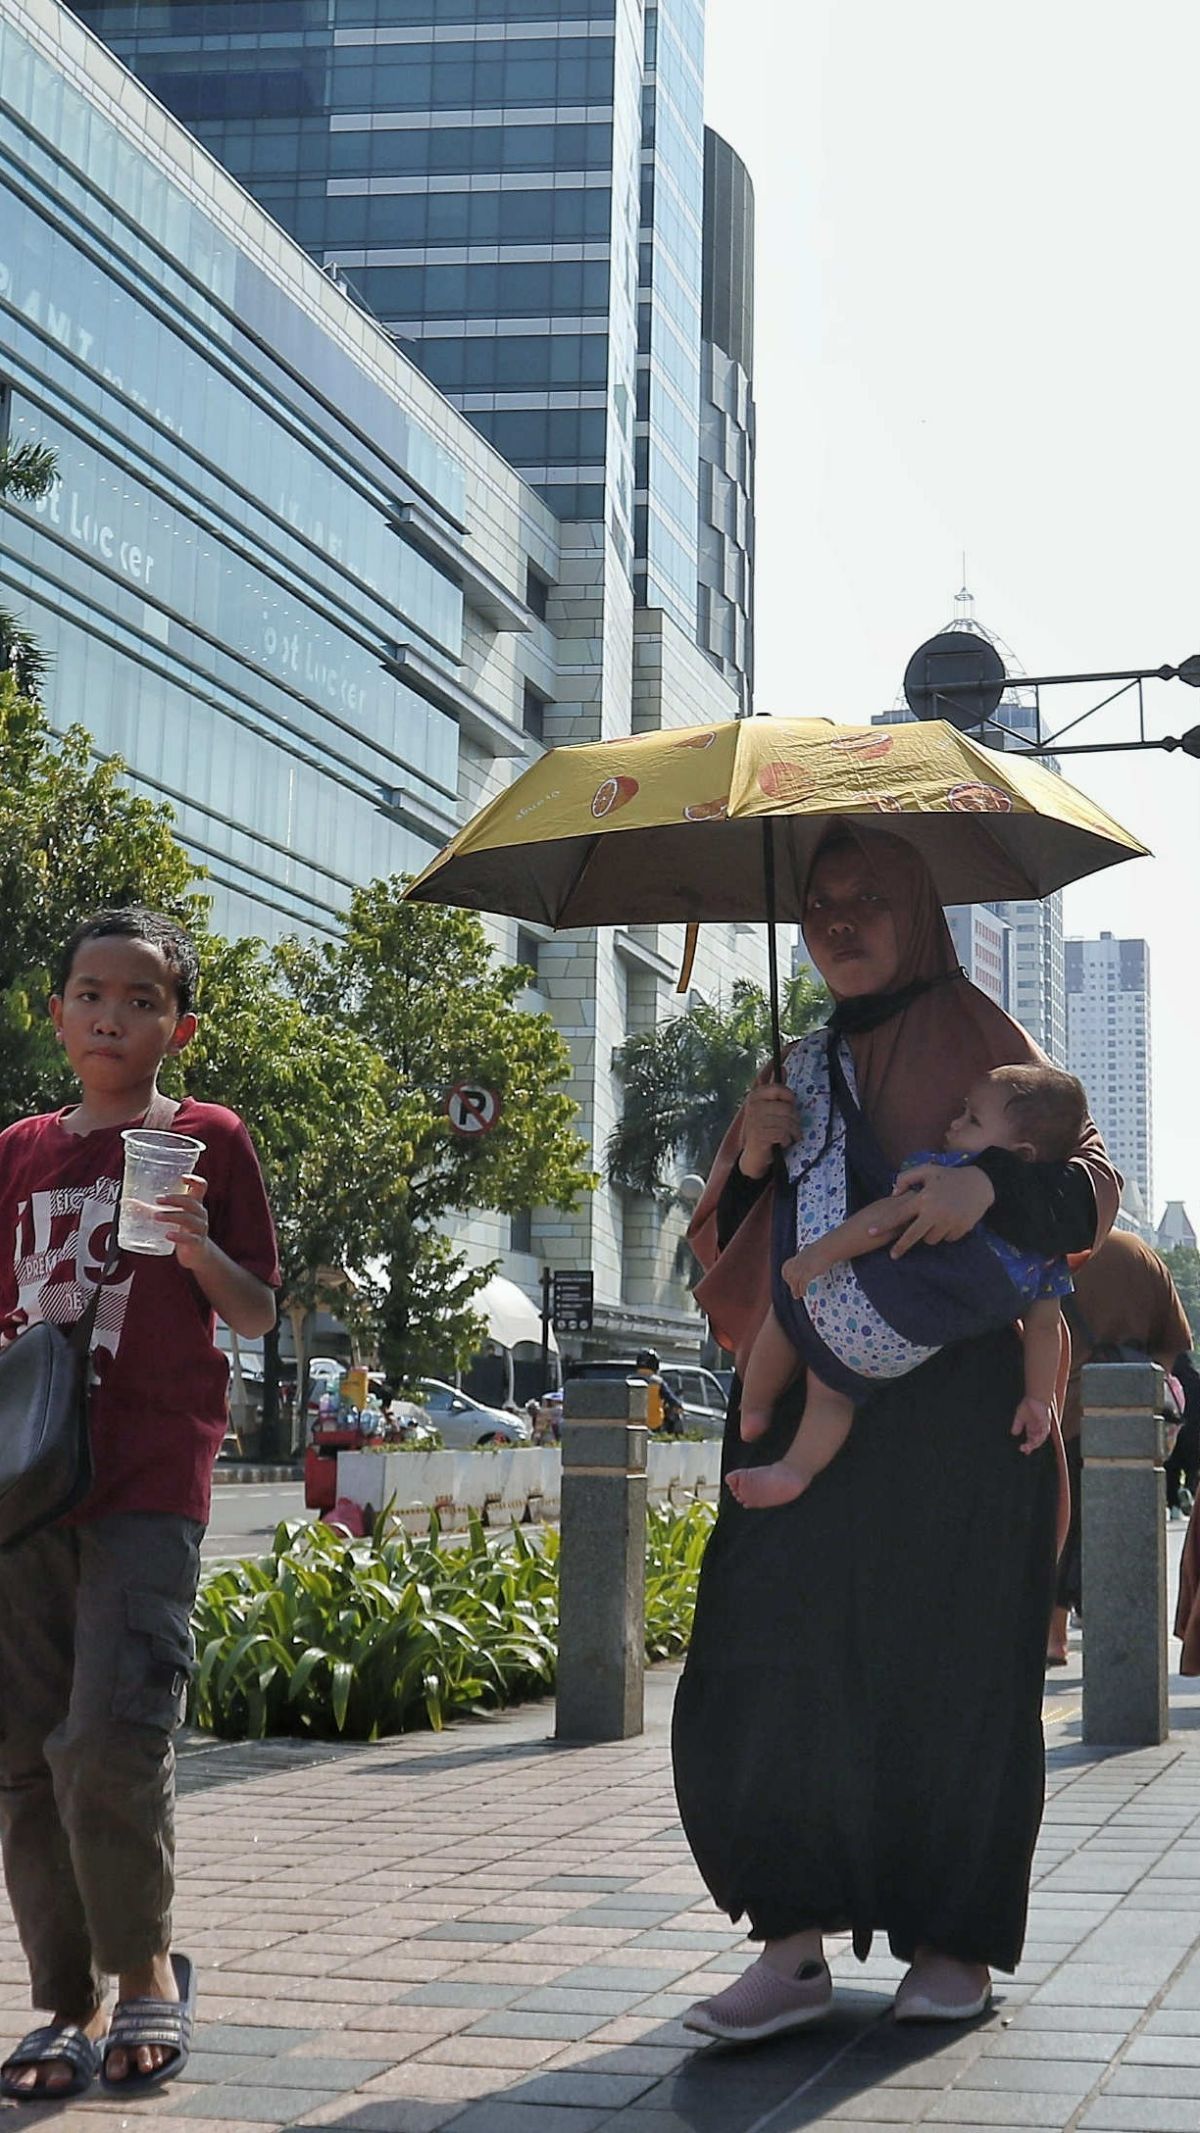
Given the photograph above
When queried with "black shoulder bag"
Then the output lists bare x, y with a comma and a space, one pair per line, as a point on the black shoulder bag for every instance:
45, 1440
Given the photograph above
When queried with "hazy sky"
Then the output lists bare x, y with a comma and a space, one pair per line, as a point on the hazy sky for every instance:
978, 330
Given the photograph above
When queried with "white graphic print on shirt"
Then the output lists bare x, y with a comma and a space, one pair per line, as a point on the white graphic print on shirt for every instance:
61, 1247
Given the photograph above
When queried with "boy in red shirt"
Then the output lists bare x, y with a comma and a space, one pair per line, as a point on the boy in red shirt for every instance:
95, 1642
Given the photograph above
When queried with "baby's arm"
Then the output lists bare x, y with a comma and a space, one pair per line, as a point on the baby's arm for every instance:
865, 1231
1043, 1337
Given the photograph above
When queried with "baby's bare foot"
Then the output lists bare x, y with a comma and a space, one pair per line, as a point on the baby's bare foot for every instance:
761, 1488
754, 1422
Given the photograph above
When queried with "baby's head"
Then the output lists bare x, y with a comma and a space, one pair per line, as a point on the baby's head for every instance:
1034, 1111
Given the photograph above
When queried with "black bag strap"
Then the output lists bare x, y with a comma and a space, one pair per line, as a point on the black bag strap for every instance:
1081, 1332
158, 1118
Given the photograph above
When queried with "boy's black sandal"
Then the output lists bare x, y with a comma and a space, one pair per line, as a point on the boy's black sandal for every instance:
167, 2023
66, 2046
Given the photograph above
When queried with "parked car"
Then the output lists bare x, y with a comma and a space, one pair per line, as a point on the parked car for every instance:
625, 1366
704, 1401
463, 1423
697, 1391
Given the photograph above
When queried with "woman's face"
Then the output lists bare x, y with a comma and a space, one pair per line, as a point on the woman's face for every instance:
849, 926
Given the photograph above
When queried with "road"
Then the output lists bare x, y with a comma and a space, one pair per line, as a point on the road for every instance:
245, 1515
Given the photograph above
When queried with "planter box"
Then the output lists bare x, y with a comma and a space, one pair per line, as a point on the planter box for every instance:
507, 1487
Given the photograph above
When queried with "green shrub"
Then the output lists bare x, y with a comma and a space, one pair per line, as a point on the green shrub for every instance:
326, 1636
675, 1544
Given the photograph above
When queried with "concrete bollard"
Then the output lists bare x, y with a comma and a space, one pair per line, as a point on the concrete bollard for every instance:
1124, 1556
602, 1561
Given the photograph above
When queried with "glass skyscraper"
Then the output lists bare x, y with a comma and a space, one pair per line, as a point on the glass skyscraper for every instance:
274, 560
516, 188
342, 536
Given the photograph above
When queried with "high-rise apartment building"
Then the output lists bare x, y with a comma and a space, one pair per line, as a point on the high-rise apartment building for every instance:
1108, 1016
983, 945
1035, 988
516, 190
725, 603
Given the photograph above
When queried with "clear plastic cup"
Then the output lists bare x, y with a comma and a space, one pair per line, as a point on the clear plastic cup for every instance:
155, 1163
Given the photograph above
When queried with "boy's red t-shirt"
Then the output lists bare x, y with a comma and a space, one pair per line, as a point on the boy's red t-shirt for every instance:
158, 1407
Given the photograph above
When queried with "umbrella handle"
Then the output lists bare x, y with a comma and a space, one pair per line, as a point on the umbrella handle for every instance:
691, 936
772, 949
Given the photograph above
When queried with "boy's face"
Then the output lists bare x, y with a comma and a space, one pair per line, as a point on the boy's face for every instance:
983, 1122
118, 1016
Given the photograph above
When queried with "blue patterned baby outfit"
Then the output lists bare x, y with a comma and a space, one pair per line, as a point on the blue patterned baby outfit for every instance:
1031, 1275
840, 1332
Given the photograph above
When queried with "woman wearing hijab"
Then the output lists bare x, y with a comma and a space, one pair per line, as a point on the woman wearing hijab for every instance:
857, 1733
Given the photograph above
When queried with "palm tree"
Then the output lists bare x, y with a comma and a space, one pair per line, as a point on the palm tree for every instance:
684, 1079
27, 472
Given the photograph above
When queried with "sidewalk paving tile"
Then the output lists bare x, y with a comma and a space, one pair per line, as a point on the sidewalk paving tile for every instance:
990, 2107
425, 1963
275, 2106
466, 2049
1154, 2049
1142, 2114
1047, 2075
511, 2117
591, 1999
445, 1993
1064, 2044
280, 2070
510, 2022
1138, 2080
391, 2117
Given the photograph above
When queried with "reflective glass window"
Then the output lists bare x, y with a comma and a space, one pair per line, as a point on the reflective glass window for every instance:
449, 85
442, 361
527, 148
525, 286
485, 217
528, 217
448, 217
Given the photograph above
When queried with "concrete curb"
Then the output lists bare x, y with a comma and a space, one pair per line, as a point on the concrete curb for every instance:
226, 1475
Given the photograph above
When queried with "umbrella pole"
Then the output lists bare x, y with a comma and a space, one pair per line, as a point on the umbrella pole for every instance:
772, 947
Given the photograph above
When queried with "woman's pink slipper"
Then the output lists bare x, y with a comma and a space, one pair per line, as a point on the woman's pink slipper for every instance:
761, 2004
932, 1992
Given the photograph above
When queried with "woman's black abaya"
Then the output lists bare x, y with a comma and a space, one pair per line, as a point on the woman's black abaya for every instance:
858, 1738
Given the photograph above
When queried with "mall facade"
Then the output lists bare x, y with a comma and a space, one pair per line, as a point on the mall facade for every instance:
303, 596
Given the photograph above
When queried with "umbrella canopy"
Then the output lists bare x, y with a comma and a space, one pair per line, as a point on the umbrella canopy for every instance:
689, 825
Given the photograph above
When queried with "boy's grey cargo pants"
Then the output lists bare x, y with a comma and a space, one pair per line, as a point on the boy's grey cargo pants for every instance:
95, 1655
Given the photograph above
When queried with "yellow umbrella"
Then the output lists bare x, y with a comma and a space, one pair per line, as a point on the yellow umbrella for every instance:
690, 824
722, 822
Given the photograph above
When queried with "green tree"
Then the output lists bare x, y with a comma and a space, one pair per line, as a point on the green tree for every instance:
27, 471
684, 1079
335, 1142
1184, 1263
72, 837
423, 987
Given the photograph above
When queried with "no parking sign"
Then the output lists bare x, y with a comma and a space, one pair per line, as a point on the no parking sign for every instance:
472, 1110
